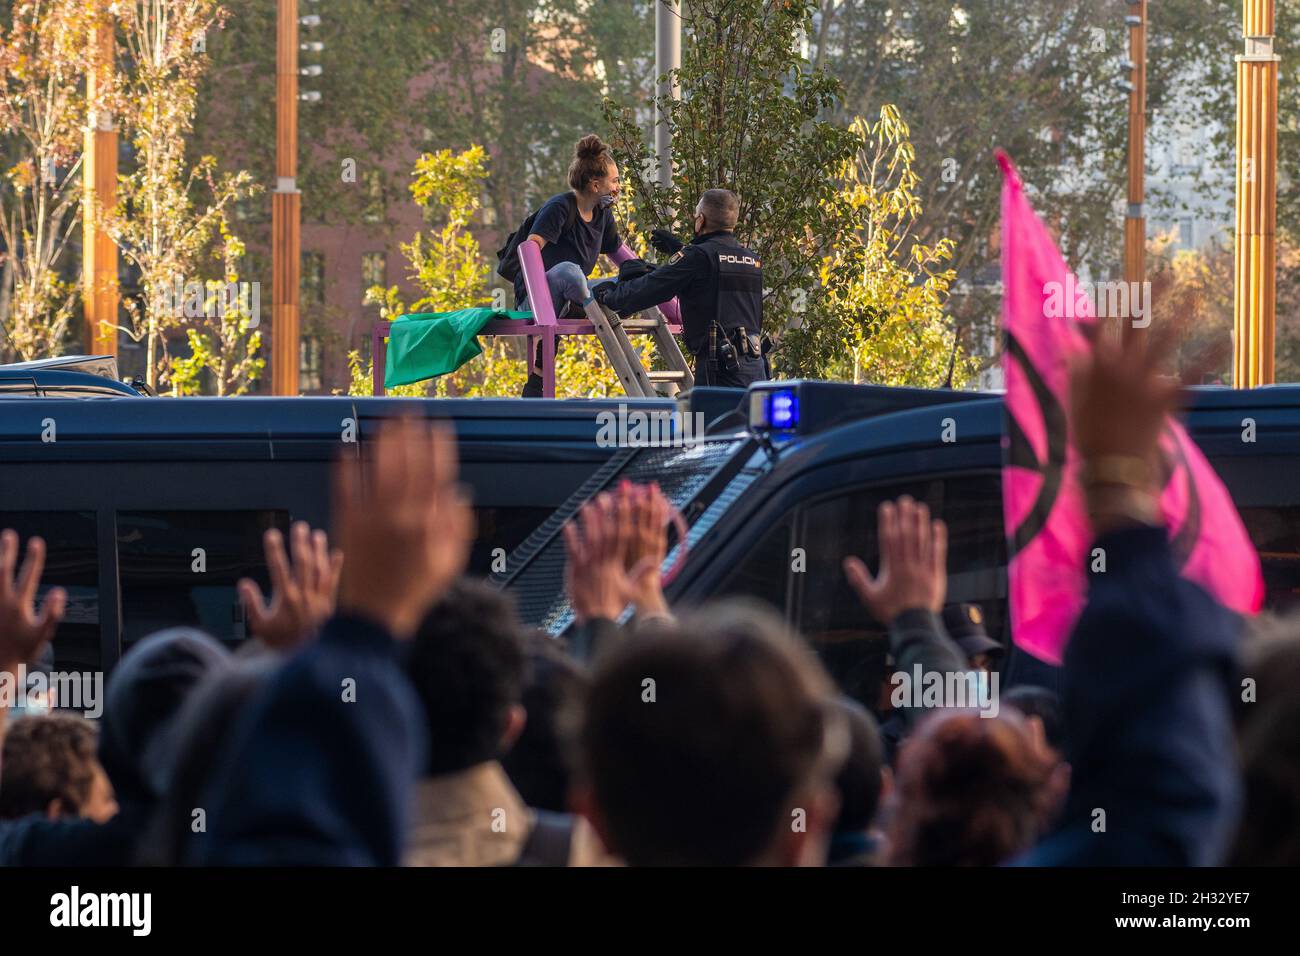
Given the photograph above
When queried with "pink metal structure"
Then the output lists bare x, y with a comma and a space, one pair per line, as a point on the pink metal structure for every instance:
544, 324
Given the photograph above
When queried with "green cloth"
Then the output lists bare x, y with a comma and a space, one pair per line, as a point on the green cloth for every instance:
423, 345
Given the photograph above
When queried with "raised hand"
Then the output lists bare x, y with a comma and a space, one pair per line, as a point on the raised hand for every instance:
302, 598
1121, 403
406, 531
913, 562
24, 631
615, 549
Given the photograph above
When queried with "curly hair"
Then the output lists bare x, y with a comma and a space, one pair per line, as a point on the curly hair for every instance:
972, 791
46, 758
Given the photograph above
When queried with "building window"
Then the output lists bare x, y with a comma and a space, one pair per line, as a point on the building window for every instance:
313, 280
1187, 157
1185, 233
374, 270
309, 363
375, 205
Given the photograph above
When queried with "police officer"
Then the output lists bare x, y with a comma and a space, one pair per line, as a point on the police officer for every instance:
719, 285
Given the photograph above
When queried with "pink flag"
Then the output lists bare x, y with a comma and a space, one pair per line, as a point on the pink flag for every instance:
1044, 312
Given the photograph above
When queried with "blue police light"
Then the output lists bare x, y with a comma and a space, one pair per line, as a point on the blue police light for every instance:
784, 410
774, 410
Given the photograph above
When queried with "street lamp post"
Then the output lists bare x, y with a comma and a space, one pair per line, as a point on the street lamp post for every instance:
668, 57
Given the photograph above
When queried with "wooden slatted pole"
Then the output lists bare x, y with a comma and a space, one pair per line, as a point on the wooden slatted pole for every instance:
99, 287
1254, 290
1135, 224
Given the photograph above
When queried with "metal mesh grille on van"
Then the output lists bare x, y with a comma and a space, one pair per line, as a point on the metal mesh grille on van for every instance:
535, 571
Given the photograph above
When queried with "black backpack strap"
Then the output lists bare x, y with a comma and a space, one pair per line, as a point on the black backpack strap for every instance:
573, 212
550, 842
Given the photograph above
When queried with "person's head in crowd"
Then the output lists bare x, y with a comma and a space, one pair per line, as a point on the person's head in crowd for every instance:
467, 666
1268, 734
1041, 706
49, 766
715, 742
145, 693
861, 783
972, 791
197, 744
965, 624
540, 762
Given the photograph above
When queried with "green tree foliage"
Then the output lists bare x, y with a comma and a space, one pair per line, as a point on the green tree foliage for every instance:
884, 321
42, 105
750, 119
226, 342
170, 208
1036, 79
830, 208
447, 266
525, 77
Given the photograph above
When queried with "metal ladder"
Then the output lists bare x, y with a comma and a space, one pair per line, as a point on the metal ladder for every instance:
637, 381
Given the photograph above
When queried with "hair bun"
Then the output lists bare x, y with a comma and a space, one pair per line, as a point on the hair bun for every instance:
590, 146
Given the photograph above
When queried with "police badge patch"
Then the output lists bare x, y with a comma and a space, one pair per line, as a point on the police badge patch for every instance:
676, 256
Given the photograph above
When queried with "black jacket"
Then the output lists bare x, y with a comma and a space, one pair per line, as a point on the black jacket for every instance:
714, 278
1149, 679
316, 776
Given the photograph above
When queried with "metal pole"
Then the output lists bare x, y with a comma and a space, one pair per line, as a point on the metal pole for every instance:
286, 207
1254, 291
668, 57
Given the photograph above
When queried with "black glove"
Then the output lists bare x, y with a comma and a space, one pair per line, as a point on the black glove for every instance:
665, 241
630, 269
601, 291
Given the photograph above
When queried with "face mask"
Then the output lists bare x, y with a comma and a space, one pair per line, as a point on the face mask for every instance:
606, 201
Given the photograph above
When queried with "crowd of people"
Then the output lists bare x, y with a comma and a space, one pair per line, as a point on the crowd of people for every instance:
390, 711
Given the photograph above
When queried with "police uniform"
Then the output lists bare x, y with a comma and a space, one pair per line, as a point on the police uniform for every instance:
719, 286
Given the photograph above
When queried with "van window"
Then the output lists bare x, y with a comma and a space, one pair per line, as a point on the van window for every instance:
72, 563
852, 645
503, 527
764, 574
179, 568
1275, 532
1265, 489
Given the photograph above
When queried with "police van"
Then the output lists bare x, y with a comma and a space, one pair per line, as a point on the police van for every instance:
780, 491
153, 508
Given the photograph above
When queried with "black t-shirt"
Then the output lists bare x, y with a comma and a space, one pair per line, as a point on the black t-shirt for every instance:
583, 243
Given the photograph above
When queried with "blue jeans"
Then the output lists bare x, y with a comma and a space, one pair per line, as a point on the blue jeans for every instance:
567, 284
